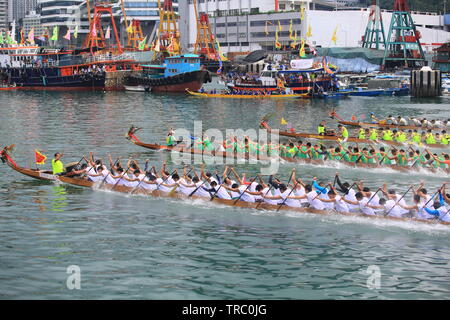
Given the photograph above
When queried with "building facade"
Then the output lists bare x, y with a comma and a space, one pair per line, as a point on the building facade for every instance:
18, 9
3, 14
240, 28
33, 21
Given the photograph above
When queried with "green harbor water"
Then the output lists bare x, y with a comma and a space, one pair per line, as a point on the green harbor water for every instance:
131, 247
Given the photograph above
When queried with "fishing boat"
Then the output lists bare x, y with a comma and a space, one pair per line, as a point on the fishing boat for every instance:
182, 148
247, 96
298, 81
80, 182
36, 68
294, 134
175, 75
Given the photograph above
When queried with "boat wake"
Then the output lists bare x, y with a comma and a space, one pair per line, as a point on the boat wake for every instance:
340, 166
329, 217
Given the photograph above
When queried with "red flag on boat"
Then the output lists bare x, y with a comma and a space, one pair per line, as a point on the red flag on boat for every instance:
40, 158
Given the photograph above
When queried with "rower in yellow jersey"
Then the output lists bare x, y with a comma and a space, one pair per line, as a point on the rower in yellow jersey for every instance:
57, 165
321, 128
387, 135
429, 138
344, 132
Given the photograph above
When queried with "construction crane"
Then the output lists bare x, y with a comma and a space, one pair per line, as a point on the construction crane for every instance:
204, 44
403, 48
96, 37
168, 41
133, 30
374, 36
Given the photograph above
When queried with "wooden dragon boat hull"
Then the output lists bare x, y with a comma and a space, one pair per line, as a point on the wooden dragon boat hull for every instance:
384, 125
350, 139
232, 203
246, 156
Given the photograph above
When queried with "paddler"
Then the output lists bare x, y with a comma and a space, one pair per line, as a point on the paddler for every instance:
373, 119
387, 135
429, 137
170, 140
373, 134
415, 137
321, 128
344, 132
401, 121
401, 137
57, 165
362, 134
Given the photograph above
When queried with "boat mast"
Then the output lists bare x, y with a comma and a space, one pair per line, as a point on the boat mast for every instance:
204, 45
168, 35
96, 37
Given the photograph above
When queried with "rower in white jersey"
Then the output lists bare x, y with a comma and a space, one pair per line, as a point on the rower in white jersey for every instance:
95, 177
362, 202
390, 194
336, 200
133, 180
299, 189
265, 190
373, 199
417, 209
216, 189
401, 121
415, 122
425, 199
349, 193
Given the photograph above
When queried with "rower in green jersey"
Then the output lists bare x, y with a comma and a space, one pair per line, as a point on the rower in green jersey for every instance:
354, 155
338, 154
371, 158
429, 138
303, 152
291, 150
208, 144
401, 158
321, 128
170, 140
362, 156
272, 150
57, 165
